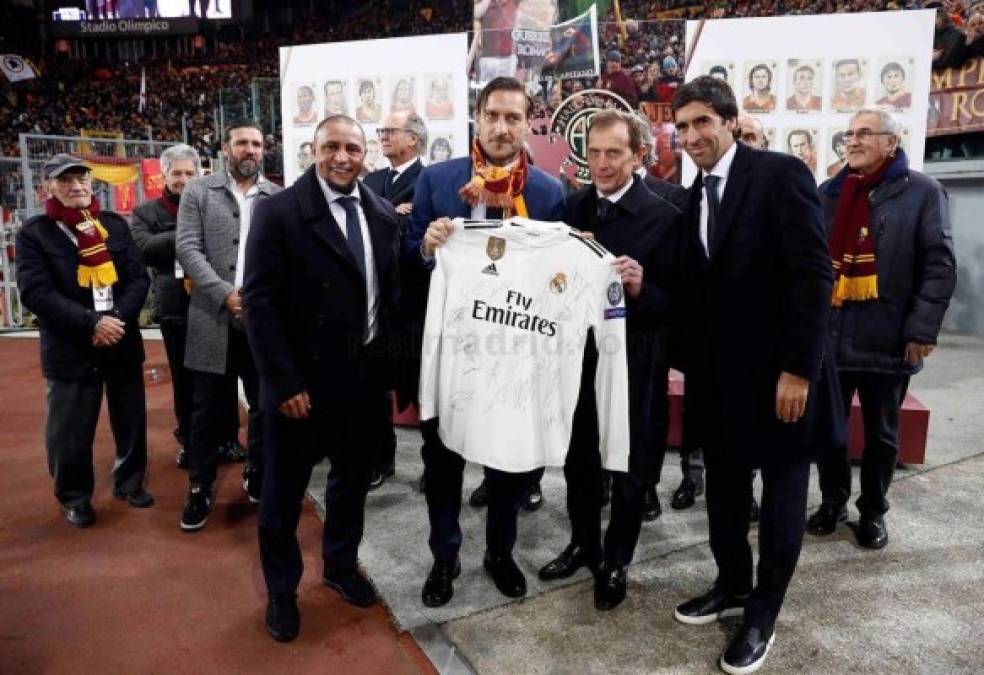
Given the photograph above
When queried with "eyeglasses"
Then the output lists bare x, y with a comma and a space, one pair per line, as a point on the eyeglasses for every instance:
389, 131
864, 133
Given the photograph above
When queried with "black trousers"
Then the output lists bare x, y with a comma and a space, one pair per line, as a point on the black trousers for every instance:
781, 527
70, 426
295, 447
443, 471
881, 396
210, 411
174, 333
387, 445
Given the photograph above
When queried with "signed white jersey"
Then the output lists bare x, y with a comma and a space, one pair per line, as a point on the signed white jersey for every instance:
507, 320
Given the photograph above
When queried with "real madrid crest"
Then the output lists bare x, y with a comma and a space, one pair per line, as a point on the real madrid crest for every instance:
495, 248
559, 283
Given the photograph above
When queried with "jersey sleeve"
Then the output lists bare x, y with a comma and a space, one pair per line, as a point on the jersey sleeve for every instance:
430, 357
607, 318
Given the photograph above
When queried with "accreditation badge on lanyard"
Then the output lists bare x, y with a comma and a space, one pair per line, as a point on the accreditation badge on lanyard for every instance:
102, 298
179, 272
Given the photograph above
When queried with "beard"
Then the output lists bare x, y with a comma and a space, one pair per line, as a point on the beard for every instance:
244, 168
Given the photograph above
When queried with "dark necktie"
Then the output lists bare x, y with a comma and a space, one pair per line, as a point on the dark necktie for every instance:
606, 209
353, 232
713, 207
493, 212
390, 181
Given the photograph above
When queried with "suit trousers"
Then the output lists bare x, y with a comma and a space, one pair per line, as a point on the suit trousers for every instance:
781, 527
443, 472
881, 396
174, 333
294, 448
583, 473
387, 445
210, 411
70, 427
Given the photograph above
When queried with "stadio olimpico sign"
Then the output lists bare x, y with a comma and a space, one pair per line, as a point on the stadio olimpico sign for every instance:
112, 27
571, 118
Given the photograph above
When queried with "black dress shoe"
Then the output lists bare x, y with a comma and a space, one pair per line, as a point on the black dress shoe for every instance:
606, 488
685, 495
438, 588
713, 605
379, 476
825, 519
507, 576
651, 510
871, 532
754, 515
231, 451
138, 498
570, 560
283, 620
351, 585
534, 499
609, 589
747, 651
81, 515
480, 497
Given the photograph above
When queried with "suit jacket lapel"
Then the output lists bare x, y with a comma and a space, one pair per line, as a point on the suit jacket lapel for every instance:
314, 209
693, 231
399, 186
734, 193
382, 252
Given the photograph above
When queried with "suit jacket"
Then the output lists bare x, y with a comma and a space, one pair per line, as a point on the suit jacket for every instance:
671, 192
153, 229
304, 298
208, 249
757, 306
47, 278
646, 228
436, 196
401, 190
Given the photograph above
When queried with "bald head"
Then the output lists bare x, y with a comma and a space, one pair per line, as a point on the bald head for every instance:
752, 133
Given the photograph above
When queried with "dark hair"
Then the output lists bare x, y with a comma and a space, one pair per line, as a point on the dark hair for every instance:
836, 140
240, 124
844, 62
441, 142
710, 91
345, 119
892, 67
718, 69
751, 73
503, 84
799, 132
366, 84
603, 119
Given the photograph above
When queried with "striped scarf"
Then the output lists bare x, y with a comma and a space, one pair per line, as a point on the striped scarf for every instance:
496, 186
852, 244
95, 264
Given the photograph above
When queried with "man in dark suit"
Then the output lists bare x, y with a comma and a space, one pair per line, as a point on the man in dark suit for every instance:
403, 138
641, 229
320, 293
757, 292
80, 273
445, 191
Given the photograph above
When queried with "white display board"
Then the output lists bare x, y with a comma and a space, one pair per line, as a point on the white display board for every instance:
836, 64
369, 79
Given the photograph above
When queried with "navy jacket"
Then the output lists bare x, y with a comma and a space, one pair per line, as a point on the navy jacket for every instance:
757, 306
401, 190
304, 300
47, 278
910, 220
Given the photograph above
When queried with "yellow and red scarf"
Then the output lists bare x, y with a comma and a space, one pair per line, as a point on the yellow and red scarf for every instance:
496, 186
852, 243
95, 264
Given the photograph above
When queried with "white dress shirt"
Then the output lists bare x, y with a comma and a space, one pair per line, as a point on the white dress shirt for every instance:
721, 169
400, 169
615, 196
338, 212
245, 200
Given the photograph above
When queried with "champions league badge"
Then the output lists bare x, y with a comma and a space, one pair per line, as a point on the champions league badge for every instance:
559, 283
570, 121
614, 293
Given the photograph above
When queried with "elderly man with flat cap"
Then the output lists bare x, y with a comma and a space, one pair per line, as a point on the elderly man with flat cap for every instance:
80, 273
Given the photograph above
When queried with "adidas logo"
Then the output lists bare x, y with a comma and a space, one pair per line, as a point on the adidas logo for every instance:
490, 269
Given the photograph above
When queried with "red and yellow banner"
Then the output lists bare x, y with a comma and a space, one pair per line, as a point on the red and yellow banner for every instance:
956, 100
153, 180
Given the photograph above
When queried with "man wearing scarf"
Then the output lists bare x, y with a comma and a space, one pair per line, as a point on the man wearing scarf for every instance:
153, 228
81, 274
496, 181
894, 268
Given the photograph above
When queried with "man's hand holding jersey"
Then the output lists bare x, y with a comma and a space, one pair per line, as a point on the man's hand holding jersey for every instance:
436, 235
631, 273
297, 407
